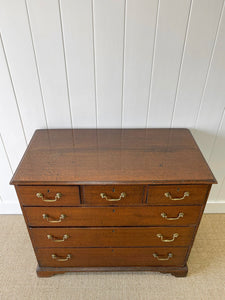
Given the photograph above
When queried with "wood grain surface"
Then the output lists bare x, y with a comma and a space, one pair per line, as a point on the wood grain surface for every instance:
159, 182
134, 194
104, 156
69, 195
116, 216
111, 237
197, 194
106, 257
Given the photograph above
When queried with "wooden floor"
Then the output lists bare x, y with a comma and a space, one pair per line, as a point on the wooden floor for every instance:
206, 278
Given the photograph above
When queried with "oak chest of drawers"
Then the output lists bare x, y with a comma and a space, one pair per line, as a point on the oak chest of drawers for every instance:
112, 199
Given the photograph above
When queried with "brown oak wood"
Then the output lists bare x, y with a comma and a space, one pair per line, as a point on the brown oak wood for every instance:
197, 194
111, 237
134, 194
104, 235
108, 257
198, 223
112, 156
116, 216
27, 195
180, 272
51, 271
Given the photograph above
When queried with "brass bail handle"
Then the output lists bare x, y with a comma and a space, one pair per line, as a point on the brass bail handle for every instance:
180, 215
175, 235
168, 195
170, 255
57, 240
54, 256
41, 196
46, 217
104, 196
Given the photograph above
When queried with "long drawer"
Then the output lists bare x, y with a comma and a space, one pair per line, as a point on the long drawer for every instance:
112, 216
112, 237
107, 257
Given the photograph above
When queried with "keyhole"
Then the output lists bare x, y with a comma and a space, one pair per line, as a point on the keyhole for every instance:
113, 190
178, 189
48, 191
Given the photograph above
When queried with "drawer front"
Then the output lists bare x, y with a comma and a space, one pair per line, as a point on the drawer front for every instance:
105, 195
48, 195
109, 257
177, 194
113, 216
112, 237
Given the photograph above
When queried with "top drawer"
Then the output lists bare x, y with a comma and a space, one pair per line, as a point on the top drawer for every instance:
105, 195
48, 195
177, 194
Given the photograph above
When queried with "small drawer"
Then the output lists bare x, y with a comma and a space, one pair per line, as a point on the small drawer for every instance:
109, 257
177, 194
104, 195
111, 237
112, 216
48, 195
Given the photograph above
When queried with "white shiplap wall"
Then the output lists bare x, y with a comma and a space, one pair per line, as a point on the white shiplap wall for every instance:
109, 63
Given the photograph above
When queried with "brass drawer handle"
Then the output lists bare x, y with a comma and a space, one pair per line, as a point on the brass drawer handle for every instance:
170, 255
61, 259
180, 215
46, 217
104, 196
159, 235
41, 196
168, 195
54, 239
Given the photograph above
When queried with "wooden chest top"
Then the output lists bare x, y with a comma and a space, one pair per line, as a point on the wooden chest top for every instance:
112, 156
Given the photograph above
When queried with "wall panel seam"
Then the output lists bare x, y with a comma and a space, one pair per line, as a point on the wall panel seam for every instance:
94, 62
213, 148
209, 66
36, 64
124, 46
220, 188
6, 154
216, 136
12, 85
65, 63
153, 63
181, 62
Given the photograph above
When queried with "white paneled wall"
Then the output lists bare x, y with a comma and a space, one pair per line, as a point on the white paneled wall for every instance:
111, 63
